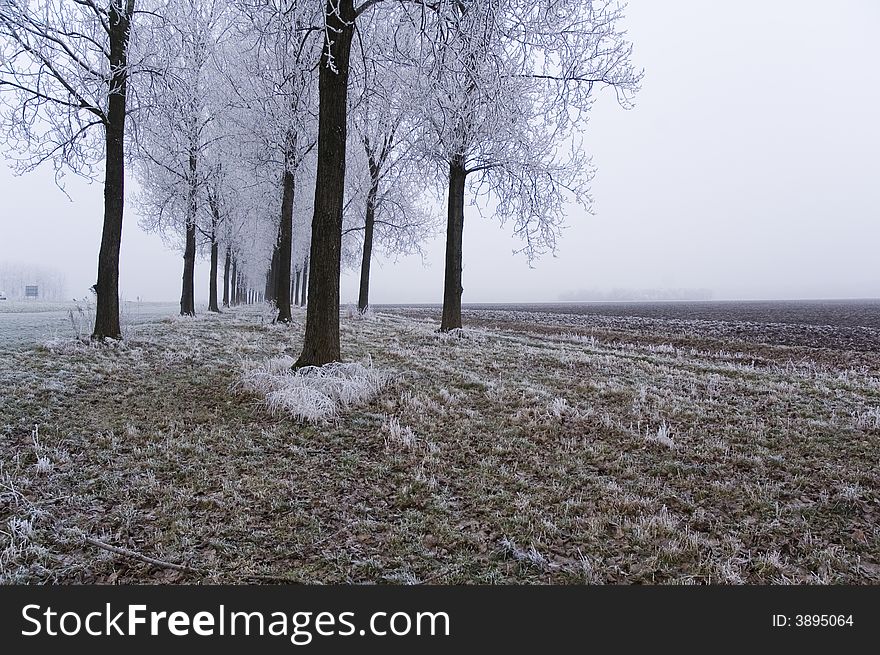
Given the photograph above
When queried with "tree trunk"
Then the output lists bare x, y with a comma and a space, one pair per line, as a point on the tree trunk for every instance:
285, 244
302, 298
369, 224
233, 282
321, 343
296, 289
452, 288
107, 286
212, 296
187, 299
187, 296
272, 273
226, 265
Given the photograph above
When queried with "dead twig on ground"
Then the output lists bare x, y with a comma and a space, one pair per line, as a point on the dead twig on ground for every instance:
138, 556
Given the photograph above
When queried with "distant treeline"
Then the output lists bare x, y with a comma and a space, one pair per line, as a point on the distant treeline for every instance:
15, 277
637, 294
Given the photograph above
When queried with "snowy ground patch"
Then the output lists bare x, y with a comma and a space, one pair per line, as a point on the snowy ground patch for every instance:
313, 393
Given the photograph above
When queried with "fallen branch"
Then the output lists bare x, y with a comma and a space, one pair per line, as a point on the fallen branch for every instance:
143, 558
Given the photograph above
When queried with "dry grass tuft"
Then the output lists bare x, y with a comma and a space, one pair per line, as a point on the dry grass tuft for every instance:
313, 393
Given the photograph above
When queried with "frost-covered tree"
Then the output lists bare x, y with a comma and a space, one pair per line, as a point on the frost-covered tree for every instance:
386, 206
66, 70
504, 84
509, 84
321, 342
275, 89
338, 27
216, 189
302, 226
174, 135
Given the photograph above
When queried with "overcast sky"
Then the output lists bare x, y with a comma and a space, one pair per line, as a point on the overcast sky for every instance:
749, 166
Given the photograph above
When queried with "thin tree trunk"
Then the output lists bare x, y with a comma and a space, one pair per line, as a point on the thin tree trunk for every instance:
187, 296
305, 287
285, 242
233, 282
321, 343
187, 300
369, 224
452, 288
226, 265
107, 286
296, 288
215, 252
212, 296
272, 273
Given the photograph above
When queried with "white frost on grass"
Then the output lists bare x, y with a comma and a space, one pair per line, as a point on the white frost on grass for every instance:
867, 419
44, 464
395, 433
849, 492
662, 436
587, 568
352, 312
558, 407
448, 398
65, 345
312, 393
531, 555
455, 334
53, 385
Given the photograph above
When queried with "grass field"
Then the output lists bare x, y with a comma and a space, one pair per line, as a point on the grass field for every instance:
33, 306
602, 451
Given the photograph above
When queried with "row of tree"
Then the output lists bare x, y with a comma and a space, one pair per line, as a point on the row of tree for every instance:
294, 136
